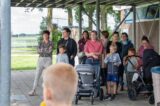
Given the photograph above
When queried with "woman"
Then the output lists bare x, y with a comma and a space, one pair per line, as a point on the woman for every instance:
81, 44
93, 49
115, 40
126, 45
145, 45
104, 40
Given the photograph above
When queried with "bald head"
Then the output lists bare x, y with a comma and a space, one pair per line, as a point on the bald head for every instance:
60, 81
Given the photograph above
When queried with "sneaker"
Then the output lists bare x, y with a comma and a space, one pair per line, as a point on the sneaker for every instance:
107, 97
32, 93
113, 97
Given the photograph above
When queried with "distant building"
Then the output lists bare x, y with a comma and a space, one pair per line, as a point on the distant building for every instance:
147, 23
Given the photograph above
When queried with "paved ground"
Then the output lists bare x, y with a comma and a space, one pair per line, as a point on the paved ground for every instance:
22, 84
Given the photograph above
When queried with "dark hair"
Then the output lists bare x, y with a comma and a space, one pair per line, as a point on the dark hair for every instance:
94, 31
133, 50
86, 33
105, 34
62, 46
124, 33
67, 30
145, 38
116, 33
46, 32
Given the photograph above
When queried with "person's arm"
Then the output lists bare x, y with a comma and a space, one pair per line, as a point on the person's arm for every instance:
100, 50
66, 59
118, 62
106, 58
50, 49
86, 50
39, 49
57, 59
74, 48
107, 47
125, 60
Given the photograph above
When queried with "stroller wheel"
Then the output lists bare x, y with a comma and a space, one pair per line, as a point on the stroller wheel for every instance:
151, 99
132, 94
101, 94
76, 99
92, 98
79, 97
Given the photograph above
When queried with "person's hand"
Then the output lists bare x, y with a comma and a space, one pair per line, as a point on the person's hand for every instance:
109, 54
116, 64
92, 54
41, 50
95, 57
72, 56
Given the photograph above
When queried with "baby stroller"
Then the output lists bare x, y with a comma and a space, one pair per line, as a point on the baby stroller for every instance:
137, 85
88, 84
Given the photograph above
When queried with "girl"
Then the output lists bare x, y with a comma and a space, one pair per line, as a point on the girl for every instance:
113, 61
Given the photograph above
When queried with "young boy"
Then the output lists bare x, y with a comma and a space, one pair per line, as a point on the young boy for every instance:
131, 63
59, 85
62, 56
113, 61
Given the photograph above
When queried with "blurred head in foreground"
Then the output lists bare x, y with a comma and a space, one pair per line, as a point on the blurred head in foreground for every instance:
59, 84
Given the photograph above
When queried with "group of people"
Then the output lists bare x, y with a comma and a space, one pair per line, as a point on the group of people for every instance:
108, 56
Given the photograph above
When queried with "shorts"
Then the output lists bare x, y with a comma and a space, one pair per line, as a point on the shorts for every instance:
112, 78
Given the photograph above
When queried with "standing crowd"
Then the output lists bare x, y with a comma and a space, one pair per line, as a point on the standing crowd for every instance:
107, 55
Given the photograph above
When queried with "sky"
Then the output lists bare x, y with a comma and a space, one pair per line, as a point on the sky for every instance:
29, 22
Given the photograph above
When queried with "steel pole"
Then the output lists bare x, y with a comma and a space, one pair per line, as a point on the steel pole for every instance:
134, 25
5, 31
80, 20
98, 17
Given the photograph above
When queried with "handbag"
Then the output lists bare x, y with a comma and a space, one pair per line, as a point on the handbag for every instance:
81, 54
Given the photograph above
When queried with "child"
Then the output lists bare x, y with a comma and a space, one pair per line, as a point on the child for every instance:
131, 63
62, 56
113, 61
59, 85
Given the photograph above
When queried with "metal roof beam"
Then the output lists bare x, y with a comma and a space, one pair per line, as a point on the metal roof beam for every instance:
19, 3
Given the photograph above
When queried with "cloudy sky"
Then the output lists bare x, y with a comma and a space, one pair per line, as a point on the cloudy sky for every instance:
29, 22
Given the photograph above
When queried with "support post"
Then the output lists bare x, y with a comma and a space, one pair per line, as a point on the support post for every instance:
159, 27
134, 25
5, 33
98, 17
123, 20
80, 20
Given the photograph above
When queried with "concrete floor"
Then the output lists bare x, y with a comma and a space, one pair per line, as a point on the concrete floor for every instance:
22, 83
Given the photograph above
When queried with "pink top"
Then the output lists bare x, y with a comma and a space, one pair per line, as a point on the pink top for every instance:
141, 52
93, 46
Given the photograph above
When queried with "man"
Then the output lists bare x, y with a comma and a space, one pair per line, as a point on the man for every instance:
45, 49
126, 45
59, 85
70, 44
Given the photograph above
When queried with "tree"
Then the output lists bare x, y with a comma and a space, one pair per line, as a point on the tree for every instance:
90, 10
70, 17
106, 11
49, 20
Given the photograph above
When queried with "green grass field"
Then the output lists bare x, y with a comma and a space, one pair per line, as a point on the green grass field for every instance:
24, 53
25, 62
